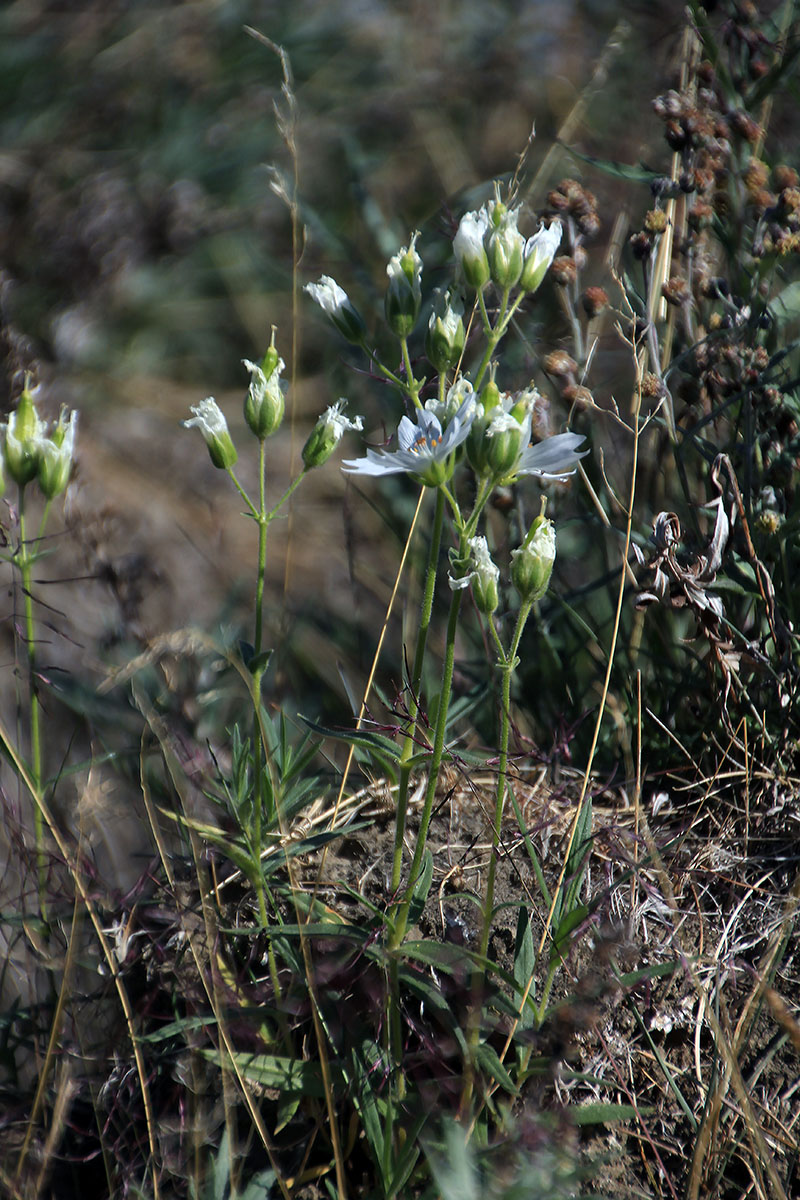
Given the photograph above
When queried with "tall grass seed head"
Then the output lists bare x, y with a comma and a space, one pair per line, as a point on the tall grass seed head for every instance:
23, 435
444, 341
539, 253
470, 250
327, 433
56, 454
334, 301
532, 563
404, 293
505, 246
264, 404
209, 419
481, 572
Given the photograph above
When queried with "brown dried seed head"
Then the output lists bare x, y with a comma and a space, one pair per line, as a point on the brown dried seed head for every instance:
564, 270
745, 126
652, 387
559, 364
785, 177
589, 224
756, 175
655, 221
641, 245
557, 200
700, 216
579, 396
676, 291
594, 300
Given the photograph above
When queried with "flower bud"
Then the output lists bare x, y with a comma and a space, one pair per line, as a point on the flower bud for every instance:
483, 576
209, 419
55, 461
508, 434
469, 249
22, 441
404, 293
264, 403
335, 302
476, 444
532, 563
444, 343
539, 253
505, 247
327, 433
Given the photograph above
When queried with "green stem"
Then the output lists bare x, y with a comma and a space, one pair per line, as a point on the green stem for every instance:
413, 386
25, 563
399, 929
507, 664
414, 689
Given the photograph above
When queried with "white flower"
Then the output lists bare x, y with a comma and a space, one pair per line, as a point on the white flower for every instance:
334, 301
484, 576
539, 253
329, 296
554, 458
457, 396
327, 433
209, 419
469, 249
423, 447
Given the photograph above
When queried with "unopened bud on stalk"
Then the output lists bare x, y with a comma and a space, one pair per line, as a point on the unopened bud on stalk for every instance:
539, 253
505, 247
208, 418
483, 575
469, 248
444, 343
55, 461
264, 403
489, 401
404, 293
327, 433
334, 300
532, 563
22, 440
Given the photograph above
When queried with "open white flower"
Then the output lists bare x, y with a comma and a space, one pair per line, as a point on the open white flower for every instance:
554, 458
424, 448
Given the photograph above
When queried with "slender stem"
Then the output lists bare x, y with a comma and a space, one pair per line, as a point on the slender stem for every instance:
25, 562
413, 386
263, 525
401, 922
507, 664
414, 689
243, 493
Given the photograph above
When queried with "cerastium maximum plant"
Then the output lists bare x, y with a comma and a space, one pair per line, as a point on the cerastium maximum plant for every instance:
462, 438
264, 408
40, 459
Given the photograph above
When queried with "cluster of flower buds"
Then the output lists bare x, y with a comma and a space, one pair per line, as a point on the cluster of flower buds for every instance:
489, 246
30, 452
531, 567
264, 407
